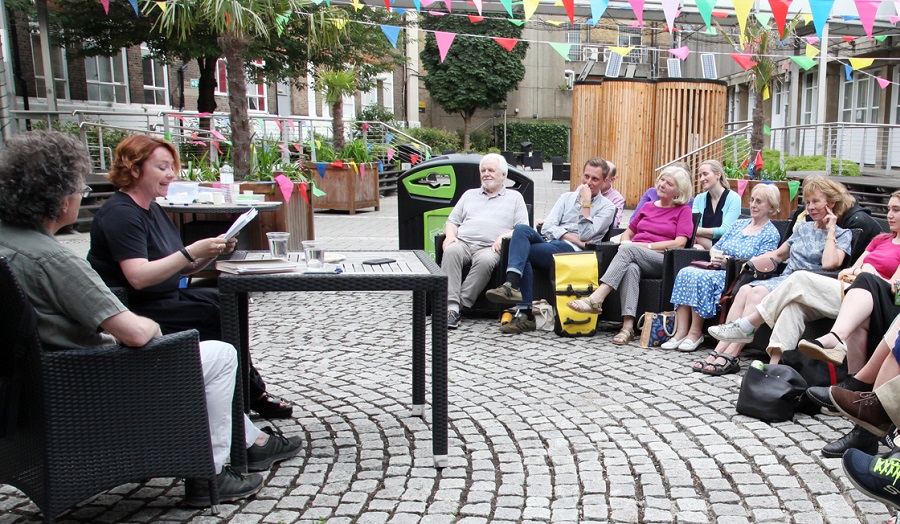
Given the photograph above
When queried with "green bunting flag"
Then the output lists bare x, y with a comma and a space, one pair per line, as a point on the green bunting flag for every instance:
793, 188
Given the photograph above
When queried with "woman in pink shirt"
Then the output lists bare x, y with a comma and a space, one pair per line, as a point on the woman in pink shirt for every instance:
666, 223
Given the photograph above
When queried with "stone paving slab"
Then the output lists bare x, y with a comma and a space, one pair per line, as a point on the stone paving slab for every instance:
542, 428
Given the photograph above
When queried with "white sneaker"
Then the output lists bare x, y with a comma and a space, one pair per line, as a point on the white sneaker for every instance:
731, 332
672, 343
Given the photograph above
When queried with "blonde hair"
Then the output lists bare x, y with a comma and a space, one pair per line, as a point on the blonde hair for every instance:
716, 167
771, 194
682, 181
835, 194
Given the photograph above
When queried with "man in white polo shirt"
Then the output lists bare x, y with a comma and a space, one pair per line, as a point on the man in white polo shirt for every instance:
475, 230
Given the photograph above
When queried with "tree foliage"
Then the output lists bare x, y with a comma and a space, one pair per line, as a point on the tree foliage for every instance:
477, 72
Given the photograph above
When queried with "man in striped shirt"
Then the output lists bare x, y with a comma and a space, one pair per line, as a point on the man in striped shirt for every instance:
474, 232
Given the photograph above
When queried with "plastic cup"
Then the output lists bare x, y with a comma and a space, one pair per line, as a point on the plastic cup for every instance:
278, 244
315, 253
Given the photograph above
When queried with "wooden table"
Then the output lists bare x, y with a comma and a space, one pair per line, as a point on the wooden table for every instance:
179, 211
413, 271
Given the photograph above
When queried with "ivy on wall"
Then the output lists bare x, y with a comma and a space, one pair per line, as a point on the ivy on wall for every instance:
551, 139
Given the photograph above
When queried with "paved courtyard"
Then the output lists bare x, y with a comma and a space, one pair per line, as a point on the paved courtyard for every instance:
542, 428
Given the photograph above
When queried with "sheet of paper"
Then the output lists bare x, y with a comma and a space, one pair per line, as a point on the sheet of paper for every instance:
240, 222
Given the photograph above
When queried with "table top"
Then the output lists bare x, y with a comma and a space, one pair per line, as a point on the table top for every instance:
219, 208
405, 262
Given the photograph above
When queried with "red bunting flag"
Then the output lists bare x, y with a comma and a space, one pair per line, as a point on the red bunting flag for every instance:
337, 163
303, 187
570, 10
847, 38
758, 163
278, 123
779, 12
745, 163
720, 14
507, 43
414, 159
475, 19
743, 60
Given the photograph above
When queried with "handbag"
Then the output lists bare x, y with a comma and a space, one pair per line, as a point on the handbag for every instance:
761, 270
749, 273
544, 317
770, 394
656, 328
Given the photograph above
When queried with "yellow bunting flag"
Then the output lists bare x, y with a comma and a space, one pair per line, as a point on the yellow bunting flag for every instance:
860, 63
811, 51
807, 18
162, 6
766, 93
742, 11
557, 23
621, 50
530, 7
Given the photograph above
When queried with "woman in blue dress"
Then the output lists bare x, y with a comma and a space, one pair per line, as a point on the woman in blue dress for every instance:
696, 292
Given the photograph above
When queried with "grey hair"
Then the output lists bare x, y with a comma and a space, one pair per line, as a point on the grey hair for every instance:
502, 165
38, 170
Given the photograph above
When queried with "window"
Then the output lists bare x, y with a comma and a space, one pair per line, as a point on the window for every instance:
106, 78
60, 69
628, 37
810, 82
573, 36
861, 99
256, 93
155, 79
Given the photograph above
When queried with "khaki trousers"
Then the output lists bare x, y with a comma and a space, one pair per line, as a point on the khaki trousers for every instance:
801, 298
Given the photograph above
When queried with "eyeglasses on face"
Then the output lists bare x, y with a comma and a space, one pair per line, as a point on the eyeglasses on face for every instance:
85, 191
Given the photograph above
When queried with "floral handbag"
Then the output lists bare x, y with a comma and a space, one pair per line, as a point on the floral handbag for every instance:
656, 328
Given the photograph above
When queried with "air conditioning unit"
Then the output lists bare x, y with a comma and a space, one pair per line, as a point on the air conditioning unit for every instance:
674, 67
708, 60
591, 54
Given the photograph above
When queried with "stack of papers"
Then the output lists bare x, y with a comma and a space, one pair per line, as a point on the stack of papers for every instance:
256, 267
241, 221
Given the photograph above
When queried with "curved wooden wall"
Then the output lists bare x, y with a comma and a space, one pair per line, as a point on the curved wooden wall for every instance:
641, 124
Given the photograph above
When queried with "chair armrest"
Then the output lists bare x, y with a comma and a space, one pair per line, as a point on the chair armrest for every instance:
439, 248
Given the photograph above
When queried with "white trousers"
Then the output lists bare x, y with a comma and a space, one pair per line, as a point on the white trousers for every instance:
219, 361
801, 298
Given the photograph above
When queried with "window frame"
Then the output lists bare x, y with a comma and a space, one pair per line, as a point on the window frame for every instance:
118, 87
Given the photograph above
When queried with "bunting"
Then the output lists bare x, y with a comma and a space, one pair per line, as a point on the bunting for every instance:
779, 13
530, 7
570, 10
506, 43
805, 62
670, 10
638, 7
860, 63
745, 61
286, 187
598, 7
680, 52
820, 11
867, 10
391, 32
444, 40
562, 49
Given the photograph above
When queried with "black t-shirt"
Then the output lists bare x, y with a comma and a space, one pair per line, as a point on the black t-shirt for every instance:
122, 230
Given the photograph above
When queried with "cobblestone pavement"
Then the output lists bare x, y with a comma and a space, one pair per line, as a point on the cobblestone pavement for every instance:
542, 428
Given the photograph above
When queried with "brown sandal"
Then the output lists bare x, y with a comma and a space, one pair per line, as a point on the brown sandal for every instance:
623, 337
586, 305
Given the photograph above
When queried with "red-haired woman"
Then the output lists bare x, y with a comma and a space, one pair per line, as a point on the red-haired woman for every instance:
135, 246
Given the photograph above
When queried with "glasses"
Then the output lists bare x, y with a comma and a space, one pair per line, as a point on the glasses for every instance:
85, 191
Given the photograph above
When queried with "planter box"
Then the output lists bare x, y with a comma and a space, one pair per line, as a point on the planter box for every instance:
345, 190
787, 206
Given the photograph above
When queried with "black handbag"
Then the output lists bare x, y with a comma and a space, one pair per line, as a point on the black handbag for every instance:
749, 273
770, 394
764, 271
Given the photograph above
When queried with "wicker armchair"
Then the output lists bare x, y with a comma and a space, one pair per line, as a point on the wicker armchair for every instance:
77, 422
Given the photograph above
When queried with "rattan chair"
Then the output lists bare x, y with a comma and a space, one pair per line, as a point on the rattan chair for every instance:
77, 422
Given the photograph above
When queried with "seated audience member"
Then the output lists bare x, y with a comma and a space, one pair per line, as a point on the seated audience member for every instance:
651, 196
578, 217
665, 223
880, 370
612, 195
135, 246
41, 187
718, 205
855, 217
475, 230
697, 291
816, 245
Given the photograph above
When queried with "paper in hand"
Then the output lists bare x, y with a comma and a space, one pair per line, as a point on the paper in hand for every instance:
240, 222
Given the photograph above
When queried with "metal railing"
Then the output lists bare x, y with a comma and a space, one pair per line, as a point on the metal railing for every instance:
732, 148
874, 147
379, 137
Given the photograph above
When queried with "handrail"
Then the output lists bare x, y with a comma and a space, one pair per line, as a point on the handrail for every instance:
704, 147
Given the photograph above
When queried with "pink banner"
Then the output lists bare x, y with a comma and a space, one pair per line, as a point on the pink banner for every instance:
105, 4
478, 6
444, 40
867, 10
742, 186
362, 171
286, 186
638, 7
883, 82
390, 153
681, 52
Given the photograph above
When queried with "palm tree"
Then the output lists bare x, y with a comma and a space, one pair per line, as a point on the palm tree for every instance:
334, 84
238, 23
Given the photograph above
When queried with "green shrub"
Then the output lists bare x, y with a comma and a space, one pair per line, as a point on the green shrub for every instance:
494, 150
377, 113
479, 141
817, 163
551, 139
356, 151
438, 139
111, 137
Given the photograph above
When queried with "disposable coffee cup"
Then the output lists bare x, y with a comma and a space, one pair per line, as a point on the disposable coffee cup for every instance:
314, 250
715, 253
278, 244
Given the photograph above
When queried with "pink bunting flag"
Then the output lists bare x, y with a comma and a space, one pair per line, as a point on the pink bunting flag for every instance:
475, 19
365, 127
204, 114
286, 187
278, 123
670, 9
570, 10
506, 43
179, 117
426, 3
217, 134
744, 61
304, 188
883, 82
284, 148
105, 4
362, 171
449, 5
894, 19
638, 7
680, 52
290, 123
867, 10
742, 186
811, 40
444, 40
390, 154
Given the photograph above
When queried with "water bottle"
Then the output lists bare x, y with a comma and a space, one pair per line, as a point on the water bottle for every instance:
226, 181
758, 365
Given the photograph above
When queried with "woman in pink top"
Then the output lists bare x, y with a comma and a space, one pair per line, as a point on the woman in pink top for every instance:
666, 223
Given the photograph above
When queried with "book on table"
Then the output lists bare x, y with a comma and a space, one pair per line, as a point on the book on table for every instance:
256, 267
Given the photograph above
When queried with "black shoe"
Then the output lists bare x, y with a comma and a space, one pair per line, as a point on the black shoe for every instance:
276, 449
232, 486
858, 438
888, 440
819, 394
874, 476
269, 406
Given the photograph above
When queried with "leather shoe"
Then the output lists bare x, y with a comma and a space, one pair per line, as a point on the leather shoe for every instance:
858, 438
863, 408
819, 394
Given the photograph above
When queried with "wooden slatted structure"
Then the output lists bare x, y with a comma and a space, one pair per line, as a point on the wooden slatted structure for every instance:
640, 124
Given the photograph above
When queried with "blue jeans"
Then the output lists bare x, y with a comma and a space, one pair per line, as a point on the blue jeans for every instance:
527, 249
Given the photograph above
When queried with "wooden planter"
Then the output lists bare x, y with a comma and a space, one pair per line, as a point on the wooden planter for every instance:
788, 206
295, 217
345, 189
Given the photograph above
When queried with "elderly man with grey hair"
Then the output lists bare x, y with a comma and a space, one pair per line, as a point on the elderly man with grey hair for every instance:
475, 229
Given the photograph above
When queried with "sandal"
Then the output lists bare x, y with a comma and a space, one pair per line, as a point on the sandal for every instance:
586, 305
730, 366
703, 363
623, 337
268, 406
817, 351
